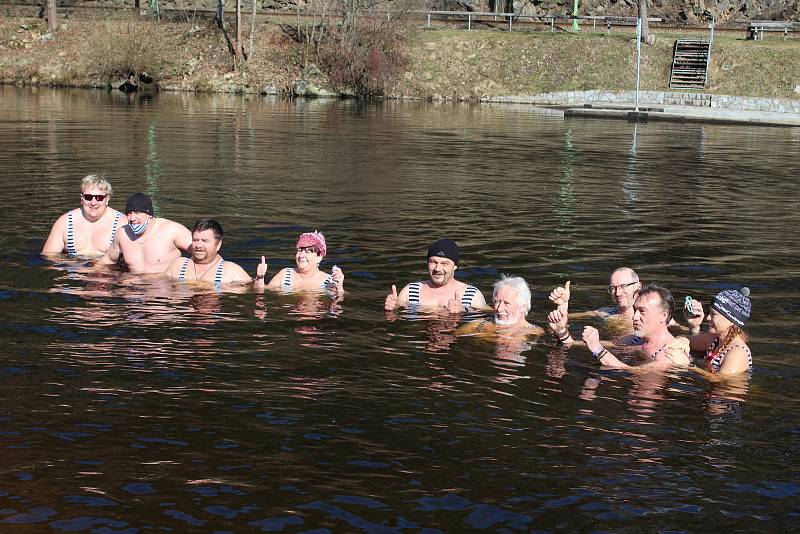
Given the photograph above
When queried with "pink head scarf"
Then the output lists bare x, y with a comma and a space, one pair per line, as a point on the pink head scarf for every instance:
313, 239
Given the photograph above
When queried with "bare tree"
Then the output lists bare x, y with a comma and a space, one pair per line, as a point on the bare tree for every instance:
238, 54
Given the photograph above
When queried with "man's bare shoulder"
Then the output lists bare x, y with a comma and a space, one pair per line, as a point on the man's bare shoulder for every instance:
170, 225
175, 267
234, 273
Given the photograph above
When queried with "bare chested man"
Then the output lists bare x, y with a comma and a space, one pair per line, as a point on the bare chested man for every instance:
655, 346
442, 292
623, 287
87, 231
147, 244
511, 300
206, 266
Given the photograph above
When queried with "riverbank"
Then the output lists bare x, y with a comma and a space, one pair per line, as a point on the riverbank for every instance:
443, 64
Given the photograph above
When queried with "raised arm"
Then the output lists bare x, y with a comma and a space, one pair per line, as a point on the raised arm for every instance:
182, 238
337, 275
396, 300
557, 321
592, 339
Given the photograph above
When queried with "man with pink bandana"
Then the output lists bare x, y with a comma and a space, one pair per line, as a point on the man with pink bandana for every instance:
306, 276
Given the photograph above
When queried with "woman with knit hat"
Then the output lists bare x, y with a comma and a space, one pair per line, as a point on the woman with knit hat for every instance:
306, 276
725, 344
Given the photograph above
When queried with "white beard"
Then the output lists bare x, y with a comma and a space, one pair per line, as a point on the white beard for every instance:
504, 322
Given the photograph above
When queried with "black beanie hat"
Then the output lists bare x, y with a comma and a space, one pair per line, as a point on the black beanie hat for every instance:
444, 248
139, 202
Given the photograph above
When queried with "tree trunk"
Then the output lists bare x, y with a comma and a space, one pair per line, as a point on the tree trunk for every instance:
252, 31
238, 31
220, 16
645, 25
52, 16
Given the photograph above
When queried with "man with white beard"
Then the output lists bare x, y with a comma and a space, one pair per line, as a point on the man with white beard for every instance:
511, 301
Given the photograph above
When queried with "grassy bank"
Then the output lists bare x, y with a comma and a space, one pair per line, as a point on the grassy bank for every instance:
448, 63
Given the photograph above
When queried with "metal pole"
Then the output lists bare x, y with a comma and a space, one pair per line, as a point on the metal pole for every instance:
575, 27
638, 57
429, 21
469, 22
509, 23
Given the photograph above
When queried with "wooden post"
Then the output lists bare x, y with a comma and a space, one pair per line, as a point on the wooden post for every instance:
252, 32
52, 16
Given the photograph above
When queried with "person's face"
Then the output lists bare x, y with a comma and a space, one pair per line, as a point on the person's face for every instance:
307, 258
205, 246
507, 309
717, 323
623, 289
137, 217
648, 315
440, 270
97, 200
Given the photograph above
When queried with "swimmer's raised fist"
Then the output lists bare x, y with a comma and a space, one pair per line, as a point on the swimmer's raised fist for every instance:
592, 338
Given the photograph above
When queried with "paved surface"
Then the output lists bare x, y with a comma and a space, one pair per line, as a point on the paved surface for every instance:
684, 114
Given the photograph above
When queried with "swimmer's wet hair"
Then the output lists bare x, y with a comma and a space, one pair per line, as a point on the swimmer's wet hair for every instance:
99, 181
209, 224
667, 301
520, 287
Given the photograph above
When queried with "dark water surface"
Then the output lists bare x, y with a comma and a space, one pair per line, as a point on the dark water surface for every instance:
134, 407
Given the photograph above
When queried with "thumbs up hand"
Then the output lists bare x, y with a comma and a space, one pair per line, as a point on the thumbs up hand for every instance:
391, 300
261, 270
454, 304
560, 295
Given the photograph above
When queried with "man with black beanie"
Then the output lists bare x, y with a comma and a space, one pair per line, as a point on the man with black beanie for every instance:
148, 244
442, 292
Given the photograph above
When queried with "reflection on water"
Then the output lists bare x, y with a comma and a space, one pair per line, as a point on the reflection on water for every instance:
137, 404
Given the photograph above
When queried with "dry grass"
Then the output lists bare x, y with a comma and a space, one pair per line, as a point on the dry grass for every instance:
456, 63
451, 63
127, 47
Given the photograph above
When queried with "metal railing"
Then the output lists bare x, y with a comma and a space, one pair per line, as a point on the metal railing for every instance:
477, 15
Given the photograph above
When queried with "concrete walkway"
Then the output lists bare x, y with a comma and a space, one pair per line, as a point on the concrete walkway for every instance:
683, 114
666, 106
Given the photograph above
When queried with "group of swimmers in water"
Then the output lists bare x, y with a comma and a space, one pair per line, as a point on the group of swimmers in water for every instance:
641, 318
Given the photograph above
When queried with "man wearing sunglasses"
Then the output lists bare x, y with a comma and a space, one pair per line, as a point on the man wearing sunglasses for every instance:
623, 287
89, 230
147, 244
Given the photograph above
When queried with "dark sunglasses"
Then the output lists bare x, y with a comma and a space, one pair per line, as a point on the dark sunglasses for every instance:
87, 197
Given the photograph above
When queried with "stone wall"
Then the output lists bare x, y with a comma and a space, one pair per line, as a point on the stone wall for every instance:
657, 98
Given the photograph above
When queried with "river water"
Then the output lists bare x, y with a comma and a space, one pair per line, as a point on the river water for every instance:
133, 406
